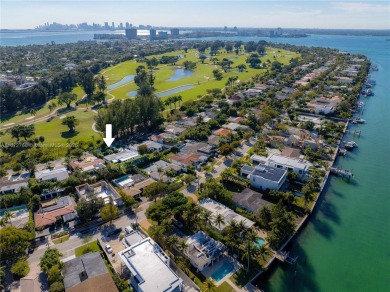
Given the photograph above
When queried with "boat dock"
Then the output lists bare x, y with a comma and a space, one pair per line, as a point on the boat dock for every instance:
286, 258
341, 172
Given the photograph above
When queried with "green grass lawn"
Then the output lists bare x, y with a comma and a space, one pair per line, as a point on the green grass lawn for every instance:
241, 277
40, 112
89, 247
202, 79
224, 287
62, 239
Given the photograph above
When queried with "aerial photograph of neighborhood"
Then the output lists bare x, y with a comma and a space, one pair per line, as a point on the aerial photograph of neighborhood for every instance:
194, 146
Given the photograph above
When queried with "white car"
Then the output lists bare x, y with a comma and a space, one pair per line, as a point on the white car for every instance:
108, 248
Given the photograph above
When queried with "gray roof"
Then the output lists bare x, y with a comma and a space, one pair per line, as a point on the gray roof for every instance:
60, 203
91, 264
247, 168
269, 173
250, 200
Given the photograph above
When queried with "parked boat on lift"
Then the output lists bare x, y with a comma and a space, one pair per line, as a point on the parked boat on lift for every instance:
358, 121
350, 145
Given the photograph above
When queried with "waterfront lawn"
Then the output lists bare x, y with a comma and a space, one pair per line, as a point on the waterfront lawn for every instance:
224, 287
61, 239
242, 277
86, 248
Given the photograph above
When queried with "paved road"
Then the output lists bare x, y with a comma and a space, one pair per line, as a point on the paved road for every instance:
67, 248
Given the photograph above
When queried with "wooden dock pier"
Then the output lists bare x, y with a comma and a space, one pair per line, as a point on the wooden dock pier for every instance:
341, 172
286, 258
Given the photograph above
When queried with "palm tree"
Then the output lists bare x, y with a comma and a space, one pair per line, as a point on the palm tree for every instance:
209, 285
8, 215
182, 246
179, 99
264, 251
168, 102
174, 100
171, 241
2, 222
207, 217
218, 220
160, 171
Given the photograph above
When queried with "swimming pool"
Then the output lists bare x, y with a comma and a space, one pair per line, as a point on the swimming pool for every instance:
259, 241
225, 268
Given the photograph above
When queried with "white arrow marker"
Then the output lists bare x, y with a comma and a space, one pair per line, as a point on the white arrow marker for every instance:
108, 138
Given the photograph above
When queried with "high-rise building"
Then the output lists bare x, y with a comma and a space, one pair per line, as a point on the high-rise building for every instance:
152, 34
131, 33
121, 25
163, 35
106, 26
175, 32
128, 25
113, 26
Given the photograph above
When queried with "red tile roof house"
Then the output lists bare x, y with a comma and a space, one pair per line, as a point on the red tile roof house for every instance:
50, 211
222, 132
88, 164
185, 159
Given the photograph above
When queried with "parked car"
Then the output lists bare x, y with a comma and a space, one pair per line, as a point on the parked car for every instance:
108, 248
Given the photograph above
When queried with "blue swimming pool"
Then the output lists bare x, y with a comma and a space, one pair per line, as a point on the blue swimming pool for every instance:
259, 242
226, 268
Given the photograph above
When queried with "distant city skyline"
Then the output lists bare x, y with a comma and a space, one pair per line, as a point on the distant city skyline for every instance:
289, 14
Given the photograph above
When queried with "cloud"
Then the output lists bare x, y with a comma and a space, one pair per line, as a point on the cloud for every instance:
361, 7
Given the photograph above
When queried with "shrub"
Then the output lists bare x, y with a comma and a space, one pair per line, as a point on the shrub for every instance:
20, 269
59, 234
57, 287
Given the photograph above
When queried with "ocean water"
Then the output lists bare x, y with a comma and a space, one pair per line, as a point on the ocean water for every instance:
345, 245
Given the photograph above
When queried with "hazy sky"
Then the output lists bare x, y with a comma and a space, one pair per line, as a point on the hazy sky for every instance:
299, 14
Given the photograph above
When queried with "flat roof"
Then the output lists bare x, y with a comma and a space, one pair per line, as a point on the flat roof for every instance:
269, 173
229, 215
122, 156
279, 159
150, 265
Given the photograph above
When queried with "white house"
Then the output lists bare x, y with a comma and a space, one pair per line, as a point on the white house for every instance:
203, 251
149, 268
298, 166
12, 184
228, 214
52, 174
264, 177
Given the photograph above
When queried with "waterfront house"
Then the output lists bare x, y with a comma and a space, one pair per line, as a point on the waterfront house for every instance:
228, 214
249, 200
203, 251
149, 268
87, 273
53, 174
264, 177
12, 183
298, 166
102, 190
